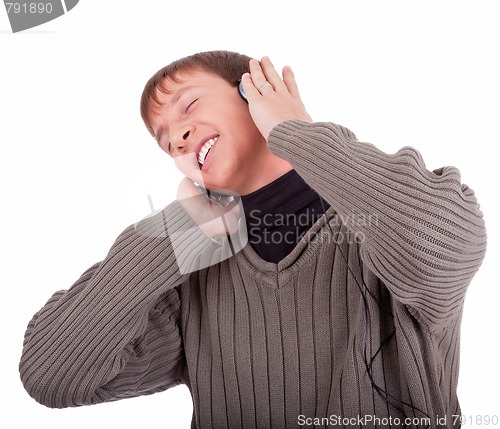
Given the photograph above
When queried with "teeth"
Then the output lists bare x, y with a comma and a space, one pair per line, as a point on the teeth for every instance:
205, 148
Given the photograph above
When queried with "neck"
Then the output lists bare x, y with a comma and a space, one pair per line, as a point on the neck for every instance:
268, 169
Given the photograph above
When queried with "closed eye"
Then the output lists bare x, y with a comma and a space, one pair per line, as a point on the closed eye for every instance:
190, 105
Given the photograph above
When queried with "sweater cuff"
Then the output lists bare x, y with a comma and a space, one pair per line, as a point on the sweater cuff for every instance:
192, 248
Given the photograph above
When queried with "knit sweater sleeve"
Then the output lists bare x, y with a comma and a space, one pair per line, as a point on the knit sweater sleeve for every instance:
115, 332
422, 233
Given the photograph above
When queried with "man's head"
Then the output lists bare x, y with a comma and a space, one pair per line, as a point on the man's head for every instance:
194, 111
229, 66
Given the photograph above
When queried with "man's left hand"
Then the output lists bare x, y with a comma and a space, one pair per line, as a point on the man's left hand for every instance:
272, 99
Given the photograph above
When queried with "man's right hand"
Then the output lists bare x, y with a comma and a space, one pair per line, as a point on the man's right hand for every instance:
215, 218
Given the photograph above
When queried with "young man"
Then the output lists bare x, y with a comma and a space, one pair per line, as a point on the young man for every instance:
344, 308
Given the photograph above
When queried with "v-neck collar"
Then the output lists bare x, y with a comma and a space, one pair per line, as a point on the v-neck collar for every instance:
307, 246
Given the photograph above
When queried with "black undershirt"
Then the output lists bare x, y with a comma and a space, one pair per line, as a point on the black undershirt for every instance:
279, 214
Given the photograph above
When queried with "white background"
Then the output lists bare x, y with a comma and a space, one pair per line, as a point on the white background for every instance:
77, 163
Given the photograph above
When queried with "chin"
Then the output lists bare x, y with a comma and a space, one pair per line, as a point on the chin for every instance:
223, 186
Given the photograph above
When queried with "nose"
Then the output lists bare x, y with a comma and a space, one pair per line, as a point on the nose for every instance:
181, 138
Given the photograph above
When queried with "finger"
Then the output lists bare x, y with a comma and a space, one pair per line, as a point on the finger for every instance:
188, 164
271, 75
232, 220
232, 206
290, 82
249, 87
256, 73
187, 189
193, 196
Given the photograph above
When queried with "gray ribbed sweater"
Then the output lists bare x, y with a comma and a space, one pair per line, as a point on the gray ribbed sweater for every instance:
263, 345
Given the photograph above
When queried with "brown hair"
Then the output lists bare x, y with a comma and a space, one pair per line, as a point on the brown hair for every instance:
228, 65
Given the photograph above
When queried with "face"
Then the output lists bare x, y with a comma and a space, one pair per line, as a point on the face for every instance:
206, 127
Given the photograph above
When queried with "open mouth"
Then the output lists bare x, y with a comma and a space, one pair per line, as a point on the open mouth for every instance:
205, 148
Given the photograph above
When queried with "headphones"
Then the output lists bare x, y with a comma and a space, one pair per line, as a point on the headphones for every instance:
368, 359
242, 92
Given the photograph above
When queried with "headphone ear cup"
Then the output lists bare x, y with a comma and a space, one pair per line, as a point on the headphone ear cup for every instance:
242, 92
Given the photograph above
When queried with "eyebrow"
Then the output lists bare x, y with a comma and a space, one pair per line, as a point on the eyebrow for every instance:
180, 93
